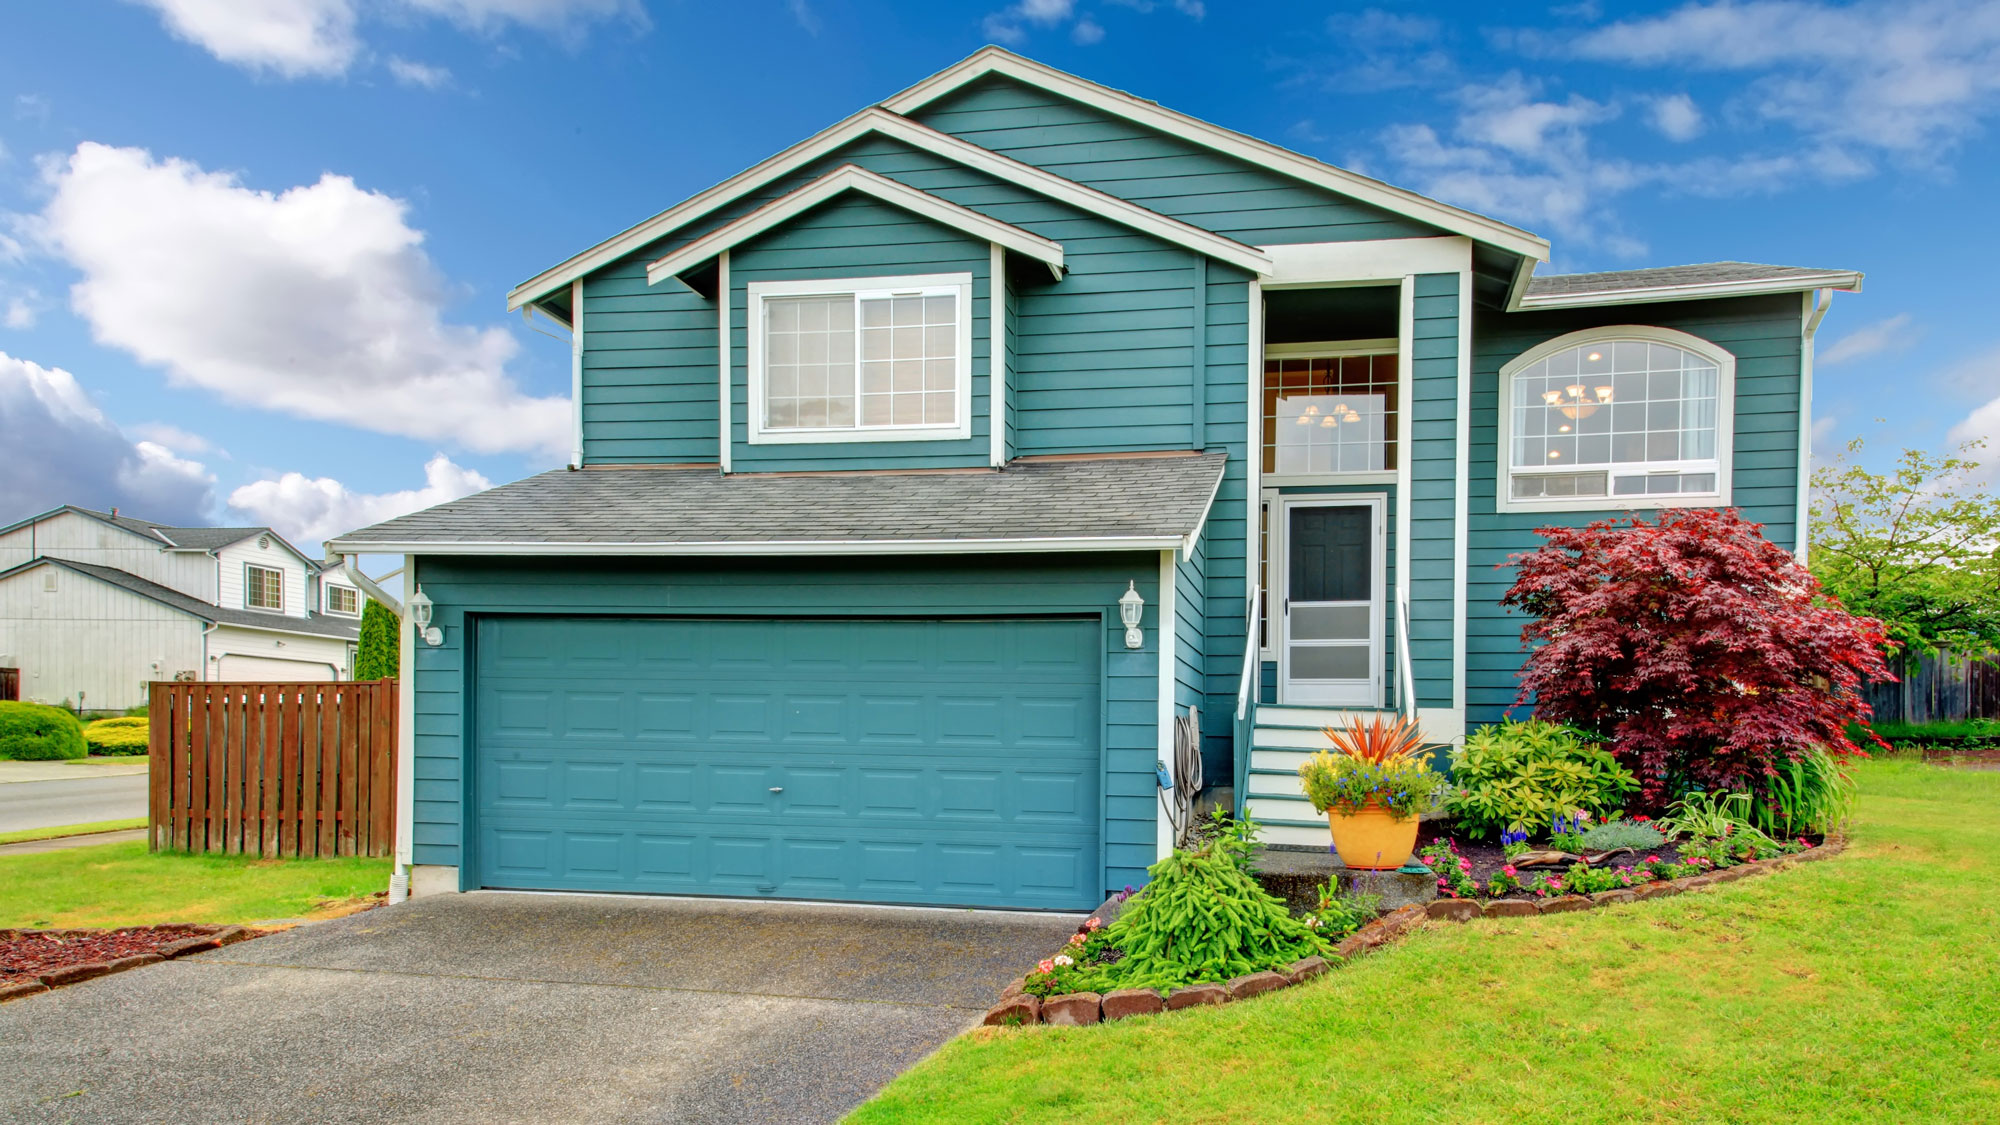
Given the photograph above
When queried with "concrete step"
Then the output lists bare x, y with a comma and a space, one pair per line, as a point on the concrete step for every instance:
1278, 758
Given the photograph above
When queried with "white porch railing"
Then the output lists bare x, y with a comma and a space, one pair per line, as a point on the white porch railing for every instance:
1406, 689
1251, 648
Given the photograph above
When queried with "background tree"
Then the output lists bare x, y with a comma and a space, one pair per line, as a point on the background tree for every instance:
1913, 547
1705, 652
380, 651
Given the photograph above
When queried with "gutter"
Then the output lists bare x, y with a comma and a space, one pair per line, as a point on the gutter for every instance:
352, 563
1816, 304
725, 548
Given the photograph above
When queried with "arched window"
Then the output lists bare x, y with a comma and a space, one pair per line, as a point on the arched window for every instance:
1625, 417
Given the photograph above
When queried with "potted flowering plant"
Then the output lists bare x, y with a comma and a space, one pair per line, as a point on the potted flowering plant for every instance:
1372, 790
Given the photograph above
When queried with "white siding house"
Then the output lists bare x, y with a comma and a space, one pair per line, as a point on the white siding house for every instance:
94, 605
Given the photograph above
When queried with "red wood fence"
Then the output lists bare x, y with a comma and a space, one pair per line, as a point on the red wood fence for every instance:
274, 769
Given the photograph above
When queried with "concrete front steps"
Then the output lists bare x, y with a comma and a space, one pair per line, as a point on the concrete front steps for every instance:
1283, 738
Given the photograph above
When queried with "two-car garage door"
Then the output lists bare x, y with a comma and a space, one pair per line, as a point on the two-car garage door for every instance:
950, 761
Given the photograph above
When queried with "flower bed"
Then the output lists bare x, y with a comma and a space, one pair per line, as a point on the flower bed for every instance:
1484, 871
34, 961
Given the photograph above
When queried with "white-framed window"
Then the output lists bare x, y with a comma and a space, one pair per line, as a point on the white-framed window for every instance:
344, 600
1625, 417
263, 587
861, 359
1330, 411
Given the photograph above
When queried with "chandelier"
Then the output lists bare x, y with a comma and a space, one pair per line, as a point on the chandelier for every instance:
1576, 401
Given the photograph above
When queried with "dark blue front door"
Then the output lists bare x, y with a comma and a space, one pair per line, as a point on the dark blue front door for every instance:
912, 761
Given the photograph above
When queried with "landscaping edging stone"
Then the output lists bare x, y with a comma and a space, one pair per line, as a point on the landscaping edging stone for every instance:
205, 938
1079, 1009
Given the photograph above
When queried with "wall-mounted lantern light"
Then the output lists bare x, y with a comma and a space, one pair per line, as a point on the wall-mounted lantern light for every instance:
1131, 605
420, 616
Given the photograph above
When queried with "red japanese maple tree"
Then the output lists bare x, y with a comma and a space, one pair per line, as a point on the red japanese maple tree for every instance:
1703, 650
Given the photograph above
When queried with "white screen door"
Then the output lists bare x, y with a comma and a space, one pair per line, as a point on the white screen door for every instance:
1330, 643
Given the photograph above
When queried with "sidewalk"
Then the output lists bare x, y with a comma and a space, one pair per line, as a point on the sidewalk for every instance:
11, 772
61, 843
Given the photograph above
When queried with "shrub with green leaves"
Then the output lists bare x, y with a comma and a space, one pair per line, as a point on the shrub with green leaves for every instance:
118, 736
1622, 834
1813, 792
1203, 918
36, 732
1512, 775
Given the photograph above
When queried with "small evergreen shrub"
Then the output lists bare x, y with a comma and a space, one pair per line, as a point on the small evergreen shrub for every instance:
379, 650
118, 736
36, 732
1622, 834
1511, 776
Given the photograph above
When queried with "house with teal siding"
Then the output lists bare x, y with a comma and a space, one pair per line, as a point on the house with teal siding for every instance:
963, 492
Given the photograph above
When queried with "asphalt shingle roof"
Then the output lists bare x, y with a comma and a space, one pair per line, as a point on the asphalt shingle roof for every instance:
1672, 277
316, 624
1144, 497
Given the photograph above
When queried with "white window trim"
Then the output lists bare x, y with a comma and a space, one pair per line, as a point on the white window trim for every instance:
1324, 349
331, 587
1725, 424
248, 585
760, 290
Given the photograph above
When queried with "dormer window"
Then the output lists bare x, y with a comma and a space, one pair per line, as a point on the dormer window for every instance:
871, 359
264, 587
343, 600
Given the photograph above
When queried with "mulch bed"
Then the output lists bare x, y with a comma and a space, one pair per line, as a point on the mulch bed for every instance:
1487, 858
34, 960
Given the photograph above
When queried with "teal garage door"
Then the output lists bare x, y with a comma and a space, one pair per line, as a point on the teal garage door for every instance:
906, 761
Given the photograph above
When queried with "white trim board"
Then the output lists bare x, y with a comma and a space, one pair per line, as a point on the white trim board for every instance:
846, 178
1312, 265
1725, 423
725, 548
878, 121
1847, 280
1168, 709
996, 355
997, 60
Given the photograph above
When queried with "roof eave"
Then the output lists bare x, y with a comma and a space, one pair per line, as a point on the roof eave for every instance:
1845, 280
801, 547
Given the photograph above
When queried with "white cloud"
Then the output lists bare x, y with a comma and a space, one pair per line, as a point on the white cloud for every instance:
173, 437
311, 510
62, 450
1909, 77
31, 107
1823, 440
1889, 334
412, 73
1087, 31
317, 302
318, 38
20, 314
1006, 25
804, 16
1676, 117
291, 38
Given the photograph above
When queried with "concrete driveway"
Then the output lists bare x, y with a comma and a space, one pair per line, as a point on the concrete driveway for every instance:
499, 1007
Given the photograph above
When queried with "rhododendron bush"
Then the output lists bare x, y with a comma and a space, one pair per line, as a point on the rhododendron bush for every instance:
1703, 650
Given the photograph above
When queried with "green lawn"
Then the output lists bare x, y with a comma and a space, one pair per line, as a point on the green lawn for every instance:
1865, 988
26, 834
125, 885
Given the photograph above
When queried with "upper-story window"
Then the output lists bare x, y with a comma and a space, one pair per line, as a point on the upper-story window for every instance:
263, 587
344, 600
868, 359
1617, 418
1330, 408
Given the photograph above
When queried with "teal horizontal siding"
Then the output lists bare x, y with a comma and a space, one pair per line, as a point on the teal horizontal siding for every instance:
1161, 172
464, 588
1763, 334
1433, 454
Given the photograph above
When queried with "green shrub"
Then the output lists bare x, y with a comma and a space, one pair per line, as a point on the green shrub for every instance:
1512, 775
380, 648
1813, 793
1622, 834
118, 736
36, 732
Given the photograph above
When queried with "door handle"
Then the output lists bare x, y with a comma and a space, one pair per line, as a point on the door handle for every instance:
777, 789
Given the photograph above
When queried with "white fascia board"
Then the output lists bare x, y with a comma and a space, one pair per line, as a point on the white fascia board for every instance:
1387, 260
876, 120
850, 177
995, 60
287, 632
1845, 280
727, 548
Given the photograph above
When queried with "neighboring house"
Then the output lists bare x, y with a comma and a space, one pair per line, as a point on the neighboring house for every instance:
872, 438
95, 605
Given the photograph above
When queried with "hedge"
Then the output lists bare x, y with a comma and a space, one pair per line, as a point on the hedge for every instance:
36, 732
118, 736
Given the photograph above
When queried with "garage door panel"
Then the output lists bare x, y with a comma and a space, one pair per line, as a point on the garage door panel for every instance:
916, 761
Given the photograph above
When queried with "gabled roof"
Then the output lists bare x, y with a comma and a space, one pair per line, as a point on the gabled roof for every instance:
317, 625
846, 178
168, 536
999, 60
877, 121
1115, 502
1671, 283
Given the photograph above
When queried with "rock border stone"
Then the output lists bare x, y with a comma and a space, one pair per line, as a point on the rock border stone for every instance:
1016, 1008
209, 937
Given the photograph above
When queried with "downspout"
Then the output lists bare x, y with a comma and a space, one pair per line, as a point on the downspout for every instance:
206, 630
1816, 302
406, 749
352, 564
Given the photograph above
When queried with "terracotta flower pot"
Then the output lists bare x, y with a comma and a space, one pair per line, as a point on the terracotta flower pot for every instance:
1372, 838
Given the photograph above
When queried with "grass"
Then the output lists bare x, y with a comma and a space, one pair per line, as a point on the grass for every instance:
26, 834
1865, 988
113, 760
125, 885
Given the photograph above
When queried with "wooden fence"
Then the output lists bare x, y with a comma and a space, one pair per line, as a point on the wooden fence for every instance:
1938, 687
305, 769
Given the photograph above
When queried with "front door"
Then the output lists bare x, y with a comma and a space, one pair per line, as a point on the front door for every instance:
1330, 647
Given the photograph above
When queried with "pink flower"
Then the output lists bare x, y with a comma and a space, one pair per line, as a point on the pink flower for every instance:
1465, 865
1652, 859
1093, 924
1045, 965
1508, 871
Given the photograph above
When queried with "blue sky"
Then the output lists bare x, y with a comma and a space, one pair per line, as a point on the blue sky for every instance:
254, 257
